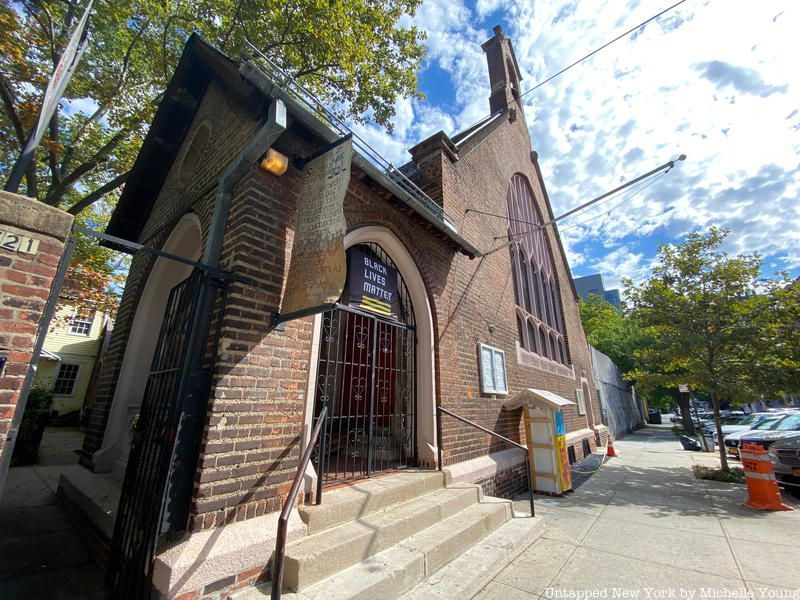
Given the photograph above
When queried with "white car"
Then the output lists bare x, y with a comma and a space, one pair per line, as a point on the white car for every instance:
746, 424
732, 442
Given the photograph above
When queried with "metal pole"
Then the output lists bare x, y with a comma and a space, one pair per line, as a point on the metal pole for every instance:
318, 499
439, 436
667, 165
283, 520
530, 482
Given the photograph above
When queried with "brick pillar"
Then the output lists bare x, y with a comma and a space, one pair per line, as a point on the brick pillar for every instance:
32, 240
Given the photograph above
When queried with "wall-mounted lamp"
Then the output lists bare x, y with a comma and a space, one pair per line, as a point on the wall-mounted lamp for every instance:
274, 162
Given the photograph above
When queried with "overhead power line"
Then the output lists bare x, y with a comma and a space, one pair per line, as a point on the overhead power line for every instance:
603, 47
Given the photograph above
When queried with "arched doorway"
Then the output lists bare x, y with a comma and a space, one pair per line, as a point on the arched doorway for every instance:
374, 371
185, 240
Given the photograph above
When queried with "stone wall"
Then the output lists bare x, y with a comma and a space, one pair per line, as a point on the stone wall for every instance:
30, 251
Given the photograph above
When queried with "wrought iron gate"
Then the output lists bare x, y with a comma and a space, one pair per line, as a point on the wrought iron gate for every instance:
159, 477
366, 377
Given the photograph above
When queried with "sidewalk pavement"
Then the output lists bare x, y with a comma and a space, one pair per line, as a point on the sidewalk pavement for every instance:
44, 558
644, 528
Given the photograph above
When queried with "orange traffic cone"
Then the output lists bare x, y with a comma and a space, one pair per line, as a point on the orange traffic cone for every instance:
610, 452
762, 489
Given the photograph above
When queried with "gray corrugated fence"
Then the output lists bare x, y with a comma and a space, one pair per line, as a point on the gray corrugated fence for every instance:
621, 410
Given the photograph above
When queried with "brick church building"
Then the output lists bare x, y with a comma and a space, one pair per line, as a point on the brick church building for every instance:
207, 401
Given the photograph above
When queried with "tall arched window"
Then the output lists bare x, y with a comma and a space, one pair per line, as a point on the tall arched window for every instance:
535, 280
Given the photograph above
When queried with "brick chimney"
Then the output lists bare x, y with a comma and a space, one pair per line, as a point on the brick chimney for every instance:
504, 75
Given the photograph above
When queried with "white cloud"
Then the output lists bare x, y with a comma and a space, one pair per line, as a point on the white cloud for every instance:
715, 80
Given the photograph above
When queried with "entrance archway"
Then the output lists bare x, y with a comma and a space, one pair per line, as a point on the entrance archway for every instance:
421, 333
185, 241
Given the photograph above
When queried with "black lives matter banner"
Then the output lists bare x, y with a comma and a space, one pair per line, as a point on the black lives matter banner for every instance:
372, 285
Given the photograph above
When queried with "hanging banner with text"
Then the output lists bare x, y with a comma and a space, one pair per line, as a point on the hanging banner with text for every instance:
372, 285
318, 266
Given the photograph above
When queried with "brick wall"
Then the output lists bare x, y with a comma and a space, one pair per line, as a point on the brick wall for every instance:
187, 188
508, 483
251, 443
25, 282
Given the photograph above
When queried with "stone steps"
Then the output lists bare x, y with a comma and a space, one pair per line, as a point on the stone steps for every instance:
398, 534
358, 500
318, 556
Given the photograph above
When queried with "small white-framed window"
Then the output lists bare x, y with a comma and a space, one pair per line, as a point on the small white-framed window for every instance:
81, 324
581, 401
493, 370
66, 378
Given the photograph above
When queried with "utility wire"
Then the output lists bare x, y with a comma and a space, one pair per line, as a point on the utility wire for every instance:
580, 60
667, 166
524, 222
603, 47
632, 195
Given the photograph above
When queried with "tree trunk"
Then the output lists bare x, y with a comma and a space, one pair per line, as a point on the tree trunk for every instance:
686, 414
723, 456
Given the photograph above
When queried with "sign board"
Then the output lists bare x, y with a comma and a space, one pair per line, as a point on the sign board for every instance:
55, 89
683, 388
318, 265
372, 285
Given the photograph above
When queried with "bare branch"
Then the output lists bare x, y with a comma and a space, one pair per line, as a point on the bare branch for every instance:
52, 157
56, 191
69, 153
7, 94
104, 189
234, 20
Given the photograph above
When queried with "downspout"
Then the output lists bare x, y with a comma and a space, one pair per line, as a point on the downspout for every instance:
263, 139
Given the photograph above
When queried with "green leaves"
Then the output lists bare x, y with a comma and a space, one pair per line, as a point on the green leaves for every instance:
713, 324
355, 55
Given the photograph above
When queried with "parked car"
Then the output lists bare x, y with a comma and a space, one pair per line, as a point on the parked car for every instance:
788, 427
748, 422
732, 441
785, 455
710, 427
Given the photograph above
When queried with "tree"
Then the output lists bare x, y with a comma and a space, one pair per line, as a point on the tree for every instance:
611, 332
702, 314
775, 312
354, 55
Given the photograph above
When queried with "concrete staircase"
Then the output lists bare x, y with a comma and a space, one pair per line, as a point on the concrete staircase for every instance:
388, 536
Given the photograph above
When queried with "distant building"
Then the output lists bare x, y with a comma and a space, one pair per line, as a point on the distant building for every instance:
593, 284
69, 358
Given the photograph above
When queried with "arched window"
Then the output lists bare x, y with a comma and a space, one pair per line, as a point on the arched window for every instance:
534, 276
533, 338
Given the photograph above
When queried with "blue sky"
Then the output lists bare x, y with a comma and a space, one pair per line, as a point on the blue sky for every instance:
715, 80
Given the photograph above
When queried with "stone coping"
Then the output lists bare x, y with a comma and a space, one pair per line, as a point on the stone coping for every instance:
212, 555
483, 467
31, 215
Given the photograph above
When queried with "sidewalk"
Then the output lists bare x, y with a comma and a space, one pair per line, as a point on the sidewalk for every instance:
644, 527
44, 558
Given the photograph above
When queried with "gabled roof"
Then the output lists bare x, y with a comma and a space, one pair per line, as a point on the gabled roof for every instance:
533, 397
201, 63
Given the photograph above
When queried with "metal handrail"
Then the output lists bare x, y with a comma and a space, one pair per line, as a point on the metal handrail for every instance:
283, 520
525, 449
337, 123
